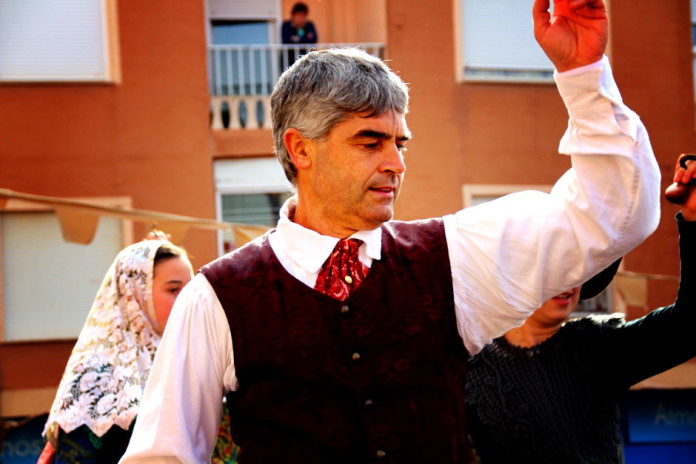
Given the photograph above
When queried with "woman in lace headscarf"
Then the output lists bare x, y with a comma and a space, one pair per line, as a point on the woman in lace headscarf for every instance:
98, 397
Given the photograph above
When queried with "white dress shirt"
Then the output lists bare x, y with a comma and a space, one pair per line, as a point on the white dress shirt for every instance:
507, 257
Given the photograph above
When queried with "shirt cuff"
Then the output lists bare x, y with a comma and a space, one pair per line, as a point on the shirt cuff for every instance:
588, 67
589, 90
598, 117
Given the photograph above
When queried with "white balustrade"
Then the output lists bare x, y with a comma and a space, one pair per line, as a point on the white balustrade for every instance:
242, 79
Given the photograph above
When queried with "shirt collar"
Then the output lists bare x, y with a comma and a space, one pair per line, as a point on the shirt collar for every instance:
310, 249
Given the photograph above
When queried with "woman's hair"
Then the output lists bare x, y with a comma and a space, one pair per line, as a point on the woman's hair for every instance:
167, 251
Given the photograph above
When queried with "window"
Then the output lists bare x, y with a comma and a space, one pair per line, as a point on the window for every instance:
48, 285
476, 194
253, 208
239, 64
240, 32
496, 42
250, 191
49, 41
243, 62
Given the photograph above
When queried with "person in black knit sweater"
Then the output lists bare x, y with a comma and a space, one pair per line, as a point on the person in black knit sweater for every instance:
551, 390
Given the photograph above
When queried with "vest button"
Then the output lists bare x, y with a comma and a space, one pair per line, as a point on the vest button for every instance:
380, 454
348, 279
356, 356
345, 309
369, 402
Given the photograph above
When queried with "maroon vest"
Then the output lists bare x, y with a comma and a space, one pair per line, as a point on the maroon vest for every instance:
378, 377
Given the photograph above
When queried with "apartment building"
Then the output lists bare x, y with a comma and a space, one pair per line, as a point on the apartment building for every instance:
163, 106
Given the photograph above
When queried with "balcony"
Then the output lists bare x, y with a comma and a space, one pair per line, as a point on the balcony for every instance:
242, 78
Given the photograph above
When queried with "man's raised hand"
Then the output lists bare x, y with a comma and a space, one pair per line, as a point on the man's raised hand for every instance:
576, 34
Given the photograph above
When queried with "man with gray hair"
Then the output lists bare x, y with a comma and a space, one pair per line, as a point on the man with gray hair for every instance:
342, 336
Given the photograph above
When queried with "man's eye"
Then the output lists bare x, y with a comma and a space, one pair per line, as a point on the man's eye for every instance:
371, 146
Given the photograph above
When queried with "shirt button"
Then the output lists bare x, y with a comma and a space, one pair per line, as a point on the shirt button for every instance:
356, 356
345, 309
380, 454
348, 279
369, 402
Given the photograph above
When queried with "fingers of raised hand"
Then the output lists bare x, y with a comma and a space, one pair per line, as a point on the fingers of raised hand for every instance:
573, 4
685, 170
540, 13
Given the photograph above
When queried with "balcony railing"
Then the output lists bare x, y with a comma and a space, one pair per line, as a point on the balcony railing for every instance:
242, 78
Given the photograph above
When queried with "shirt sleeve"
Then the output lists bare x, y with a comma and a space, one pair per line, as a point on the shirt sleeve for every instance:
510, 255
181, 407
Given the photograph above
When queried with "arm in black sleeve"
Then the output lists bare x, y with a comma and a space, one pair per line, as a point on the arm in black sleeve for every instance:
663, 338
286, 32
311, 33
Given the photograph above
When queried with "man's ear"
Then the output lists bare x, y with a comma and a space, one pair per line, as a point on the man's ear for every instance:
299, 147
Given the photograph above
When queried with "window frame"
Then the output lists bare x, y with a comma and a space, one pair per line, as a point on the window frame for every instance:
504, 74
271, 184
112, 62
21, 206
272, 16
472, 191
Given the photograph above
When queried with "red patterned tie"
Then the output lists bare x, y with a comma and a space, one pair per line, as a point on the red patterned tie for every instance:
342, 272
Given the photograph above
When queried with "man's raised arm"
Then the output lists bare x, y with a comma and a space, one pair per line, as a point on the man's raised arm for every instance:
510, 255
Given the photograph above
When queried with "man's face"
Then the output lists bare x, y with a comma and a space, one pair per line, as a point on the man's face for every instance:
299, 19
355, 174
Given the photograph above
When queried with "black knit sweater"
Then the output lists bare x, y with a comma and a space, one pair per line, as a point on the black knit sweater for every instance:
559, 402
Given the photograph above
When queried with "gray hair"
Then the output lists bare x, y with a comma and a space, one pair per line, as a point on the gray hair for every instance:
324, 87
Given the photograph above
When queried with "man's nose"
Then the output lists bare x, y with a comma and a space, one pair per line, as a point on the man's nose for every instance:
393, 160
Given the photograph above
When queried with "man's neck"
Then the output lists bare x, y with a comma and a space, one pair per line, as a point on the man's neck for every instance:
300, 216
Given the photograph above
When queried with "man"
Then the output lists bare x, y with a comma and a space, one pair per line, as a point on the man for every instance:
370, 366
296, 31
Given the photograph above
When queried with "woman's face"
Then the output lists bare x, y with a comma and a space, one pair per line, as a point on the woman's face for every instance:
170, 276
556, 310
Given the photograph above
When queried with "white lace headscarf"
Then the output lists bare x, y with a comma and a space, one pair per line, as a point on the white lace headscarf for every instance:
110, 363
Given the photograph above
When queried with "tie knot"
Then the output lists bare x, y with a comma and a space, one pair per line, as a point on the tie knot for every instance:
349, 245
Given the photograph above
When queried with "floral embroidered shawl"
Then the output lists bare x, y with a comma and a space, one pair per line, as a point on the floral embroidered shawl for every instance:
110, 363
